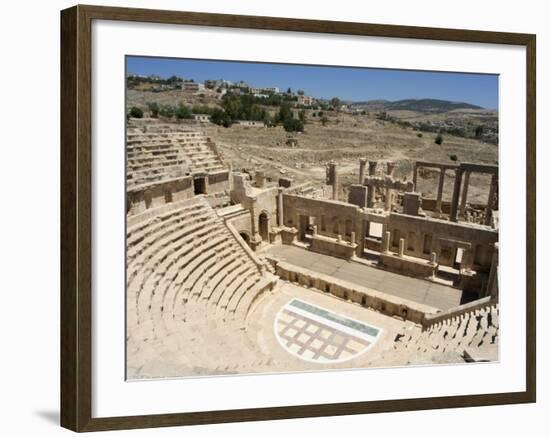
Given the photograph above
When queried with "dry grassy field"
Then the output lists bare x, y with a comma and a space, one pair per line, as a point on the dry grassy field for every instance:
344, 138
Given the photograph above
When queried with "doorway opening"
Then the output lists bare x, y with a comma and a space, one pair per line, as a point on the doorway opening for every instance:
199, 185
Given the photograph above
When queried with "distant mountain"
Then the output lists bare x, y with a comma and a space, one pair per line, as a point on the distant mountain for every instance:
420, 105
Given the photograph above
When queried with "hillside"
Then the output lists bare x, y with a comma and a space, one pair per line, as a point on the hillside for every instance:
419, 105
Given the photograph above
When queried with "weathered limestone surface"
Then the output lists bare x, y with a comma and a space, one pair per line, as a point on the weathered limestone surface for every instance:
408, 265
337, 248
385, 303
411, 203
199, 235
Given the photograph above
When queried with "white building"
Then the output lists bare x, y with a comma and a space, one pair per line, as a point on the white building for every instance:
250, 123
194, 87
202, 118
305, 100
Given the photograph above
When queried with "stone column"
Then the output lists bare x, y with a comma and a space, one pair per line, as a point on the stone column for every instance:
401, 247
253, 201
456, 195
415, 176
256, 239
440, 190
433, 258
280, 217
260, 179
352, 239
388, 199
491, 199
464, 196
372, 188
362, 165
372, 167
362, 228
390, 167
386, 242
370, 195
333, 179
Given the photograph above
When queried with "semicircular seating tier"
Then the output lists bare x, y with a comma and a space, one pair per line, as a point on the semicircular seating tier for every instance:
471, 336
190, 287
162, 155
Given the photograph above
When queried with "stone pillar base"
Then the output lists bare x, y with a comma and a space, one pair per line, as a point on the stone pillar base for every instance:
275, 235
288, 235
255, 242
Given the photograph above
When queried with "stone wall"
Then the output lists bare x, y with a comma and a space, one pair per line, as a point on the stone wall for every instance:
218, 182
241, 223
424, 236
378, 301
141, 198
332, 246
157, 194
409, 266
331, 217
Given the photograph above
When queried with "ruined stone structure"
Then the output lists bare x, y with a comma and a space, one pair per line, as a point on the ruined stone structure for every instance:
217, 259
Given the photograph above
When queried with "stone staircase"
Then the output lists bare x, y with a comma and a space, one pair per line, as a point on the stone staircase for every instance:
158, 156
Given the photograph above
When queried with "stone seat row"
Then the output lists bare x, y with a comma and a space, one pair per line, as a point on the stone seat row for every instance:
145, 160
151, 146
446, 341
152, 143
165, 135
145, 177
189, 295
149, 247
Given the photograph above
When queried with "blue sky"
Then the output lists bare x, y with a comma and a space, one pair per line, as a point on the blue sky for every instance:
356, 84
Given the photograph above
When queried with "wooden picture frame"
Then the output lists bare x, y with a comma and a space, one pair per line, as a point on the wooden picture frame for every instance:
76, 217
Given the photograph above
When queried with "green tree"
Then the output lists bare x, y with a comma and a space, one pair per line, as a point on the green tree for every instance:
302, 116
479, 131
153, 109
293, 125
220, 117
173, 79
300, 92
183, 112
324, 120
335, 102
285, 113
439, 139
166, 111
136, 112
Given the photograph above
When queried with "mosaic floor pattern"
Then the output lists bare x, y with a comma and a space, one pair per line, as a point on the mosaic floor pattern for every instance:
316, 334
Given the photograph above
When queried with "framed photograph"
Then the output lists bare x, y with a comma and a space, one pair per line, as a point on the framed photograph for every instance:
337, 216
